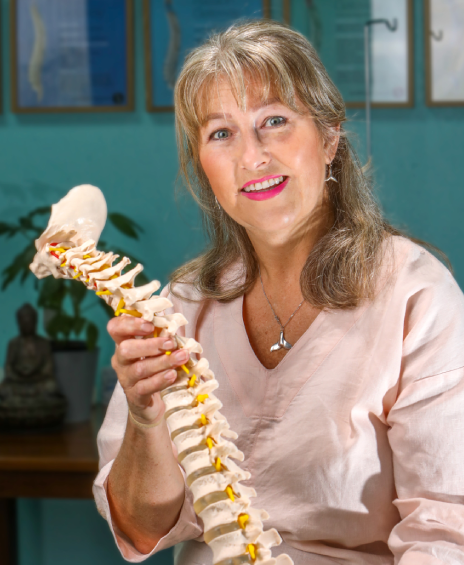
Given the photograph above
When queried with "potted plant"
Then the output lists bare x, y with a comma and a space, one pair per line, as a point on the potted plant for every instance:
73, 335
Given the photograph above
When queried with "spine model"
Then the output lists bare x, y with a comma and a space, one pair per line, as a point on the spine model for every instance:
232, 528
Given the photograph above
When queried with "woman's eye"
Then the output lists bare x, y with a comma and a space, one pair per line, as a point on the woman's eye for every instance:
220, 134
275, 121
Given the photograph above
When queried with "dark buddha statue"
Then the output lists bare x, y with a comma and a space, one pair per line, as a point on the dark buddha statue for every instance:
29, 396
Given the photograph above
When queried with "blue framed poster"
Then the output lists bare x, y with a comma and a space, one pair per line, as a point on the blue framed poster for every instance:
175, 27
72, 55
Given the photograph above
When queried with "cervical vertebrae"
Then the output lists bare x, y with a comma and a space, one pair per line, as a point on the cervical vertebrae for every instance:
233, 530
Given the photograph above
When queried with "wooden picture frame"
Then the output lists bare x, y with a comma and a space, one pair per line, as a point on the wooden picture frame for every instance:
286, 11
409, 101
448, 89
65, 93
151, 106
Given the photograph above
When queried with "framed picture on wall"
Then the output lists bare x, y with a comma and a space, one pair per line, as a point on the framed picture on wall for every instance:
175, 27
444, 52
72, 56
338, 32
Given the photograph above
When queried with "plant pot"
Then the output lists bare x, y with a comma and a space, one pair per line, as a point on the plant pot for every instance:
75, 372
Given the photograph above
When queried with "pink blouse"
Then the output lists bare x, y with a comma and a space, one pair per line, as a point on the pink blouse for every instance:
355, 440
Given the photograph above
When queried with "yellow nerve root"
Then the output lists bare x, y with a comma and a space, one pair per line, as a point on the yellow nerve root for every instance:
251, 549
242, 520
120, 305
131, 312
217, 464
230, 493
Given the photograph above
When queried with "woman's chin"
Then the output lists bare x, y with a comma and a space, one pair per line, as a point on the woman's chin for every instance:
273, 223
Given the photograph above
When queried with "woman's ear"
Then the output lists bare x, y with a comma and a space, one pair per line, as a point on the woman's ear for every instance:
331, 144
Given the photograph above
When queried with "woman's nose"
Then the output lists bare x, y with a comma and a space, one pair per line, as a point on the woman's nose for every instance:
254, 153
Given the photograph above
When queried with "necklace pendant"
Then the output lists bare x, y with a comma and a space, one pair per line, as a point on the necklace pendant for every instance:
281, 344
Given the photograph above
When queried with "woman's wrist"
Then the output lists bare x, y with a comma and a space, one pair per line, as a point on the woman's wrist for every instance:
143, 426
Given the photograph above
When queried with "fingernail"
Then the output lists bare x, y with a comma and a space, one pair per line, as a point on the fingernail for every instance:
170, 375
181, 355
168, 345
147, 327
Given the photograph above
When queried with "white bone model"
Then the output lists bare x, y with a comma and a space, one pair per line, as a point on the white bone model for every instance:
233, 530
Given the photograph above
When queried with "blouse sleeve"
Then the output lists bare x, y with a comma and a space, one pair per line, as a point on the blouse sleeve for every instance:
427, 427
109, 442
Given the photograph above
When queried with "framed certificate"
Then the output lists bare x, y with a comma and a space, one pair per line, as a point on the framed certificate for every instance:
175, 27
338, 32
444, 52
72, 55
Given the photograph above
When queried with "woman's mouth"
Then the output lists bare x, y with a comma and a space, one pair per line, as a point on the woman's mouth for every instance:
266, 189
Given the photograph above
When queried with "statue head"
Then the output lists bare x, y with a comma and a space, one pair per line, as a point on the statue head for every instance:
26, 317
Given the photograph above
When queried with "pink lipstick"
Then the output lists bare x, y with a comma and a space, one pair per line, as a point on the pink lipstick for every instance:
267, 193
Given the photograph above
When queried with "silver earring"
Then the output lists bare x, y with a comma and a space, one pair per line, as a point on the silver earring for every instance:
330, 177
218, 206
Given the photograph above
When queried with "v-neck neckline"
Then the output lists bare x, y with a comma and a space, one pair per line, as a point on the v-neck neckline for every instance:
267, 393
295, 347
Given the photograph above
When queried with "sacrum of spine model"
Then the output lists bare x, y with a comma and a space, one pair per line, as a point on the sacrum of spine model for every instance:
233, 529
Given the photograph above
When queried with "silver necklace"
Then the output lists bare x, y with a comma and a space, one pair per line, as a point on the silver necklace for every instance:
282, 343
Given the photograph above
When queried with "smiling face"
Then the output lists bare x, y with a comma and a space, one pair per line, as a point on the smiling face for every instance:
266, 164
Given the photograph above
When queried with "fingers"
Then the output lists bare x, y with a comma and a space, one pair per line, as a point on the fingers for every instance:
126, 327
142, 366
131, 349
145, 368
145, 388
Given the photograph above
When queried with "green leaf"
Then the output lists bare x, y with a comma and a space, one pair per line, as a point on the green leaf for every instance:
78, 325
142, 279
125, 225
60, 324
39, 211
8, 229
52, 293
26, 223
19, 266
77, 292
92, 335
107, 309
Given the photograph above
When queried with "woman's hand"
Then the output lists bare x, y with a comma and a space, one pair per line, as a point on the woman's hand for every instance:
142, 366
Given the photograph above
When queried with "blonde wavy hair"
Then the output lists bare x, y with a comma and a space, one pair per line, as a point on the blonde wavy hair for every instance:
341, 269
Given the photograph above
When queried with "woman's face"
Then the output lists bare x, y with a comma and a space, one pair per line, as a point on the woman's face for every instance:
268, 143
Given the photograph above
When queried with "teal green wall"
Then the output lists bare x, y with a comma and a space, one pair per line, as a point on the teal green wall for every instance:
417, 155
132, 158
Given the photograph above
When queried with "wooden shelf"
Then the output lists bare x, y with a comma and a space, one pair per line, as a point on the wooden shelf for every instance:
54, 464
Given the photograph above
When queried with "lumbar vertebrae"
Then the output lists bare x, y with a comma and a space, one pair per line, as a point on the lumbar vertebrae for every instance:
233, 530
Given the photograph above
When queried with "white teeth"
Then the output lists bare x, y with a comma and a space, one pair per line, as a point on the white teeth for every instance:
263, 185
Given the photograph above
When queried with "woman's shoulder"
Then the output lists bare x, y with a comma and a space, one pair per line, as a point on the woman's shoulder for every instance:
413, 266
184, 296
425, 291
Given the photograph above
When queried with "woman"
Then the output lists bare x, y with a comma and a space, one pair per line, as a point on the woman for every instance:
337, 342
